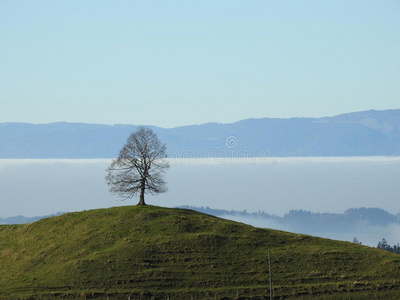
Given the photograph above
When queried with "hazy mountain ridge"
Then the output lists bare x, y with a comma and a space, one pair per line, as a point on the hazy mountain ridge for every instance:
24, 220
368, 133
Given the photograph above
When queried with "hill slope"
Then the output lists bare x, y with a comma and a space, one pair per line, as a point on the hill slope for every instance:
158, 252
367, 133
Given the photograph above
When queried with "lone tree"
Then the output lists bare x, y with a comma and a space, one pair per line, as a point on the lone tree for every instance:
139, 167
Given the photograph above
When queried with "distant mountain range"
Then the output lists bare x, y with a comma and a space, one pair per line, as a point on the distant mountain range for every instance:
24, 220
367, 133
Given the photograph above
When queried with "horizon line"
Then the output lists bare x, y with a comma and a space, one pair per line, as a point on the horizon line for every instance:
188, 125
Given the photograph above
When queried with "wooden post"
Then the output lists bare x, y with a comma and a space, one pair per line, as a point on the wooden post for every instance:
270, 275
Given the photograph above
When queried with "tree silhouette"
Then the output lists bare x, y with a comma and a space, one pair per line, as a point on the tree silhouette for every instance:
383, 245
139, 167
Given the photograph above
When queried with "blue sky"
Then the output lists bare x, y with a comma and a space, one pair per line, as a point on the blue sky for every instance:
172, 63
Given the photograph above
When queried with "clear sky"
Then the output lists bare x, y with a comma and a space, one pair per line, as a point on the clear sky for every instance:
172, 63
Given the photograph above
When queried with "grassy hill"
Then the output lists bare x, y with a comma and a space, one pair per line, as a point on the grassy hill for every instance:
153, 253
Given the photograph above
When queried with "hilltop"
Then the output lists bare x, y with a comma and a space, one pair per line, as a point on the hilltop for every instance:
158, 252
366, 133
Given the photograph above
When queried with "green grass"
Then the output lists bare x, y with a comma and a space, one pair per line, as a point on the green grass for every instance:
152, 252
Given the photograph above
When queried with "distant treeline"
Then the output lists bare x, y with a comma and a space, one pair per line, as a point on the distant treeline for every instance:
351, 219
384, 245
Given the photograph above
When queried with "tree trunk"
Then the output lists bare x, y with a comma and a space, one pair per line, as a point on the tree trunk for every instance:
141, 199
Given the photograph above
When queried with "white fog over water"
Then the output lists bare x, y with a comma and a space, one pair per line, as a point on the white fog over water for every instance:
275, 185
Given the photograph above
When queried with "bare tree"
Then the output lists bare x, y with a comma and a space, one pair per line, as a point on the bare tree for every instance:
139, 167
